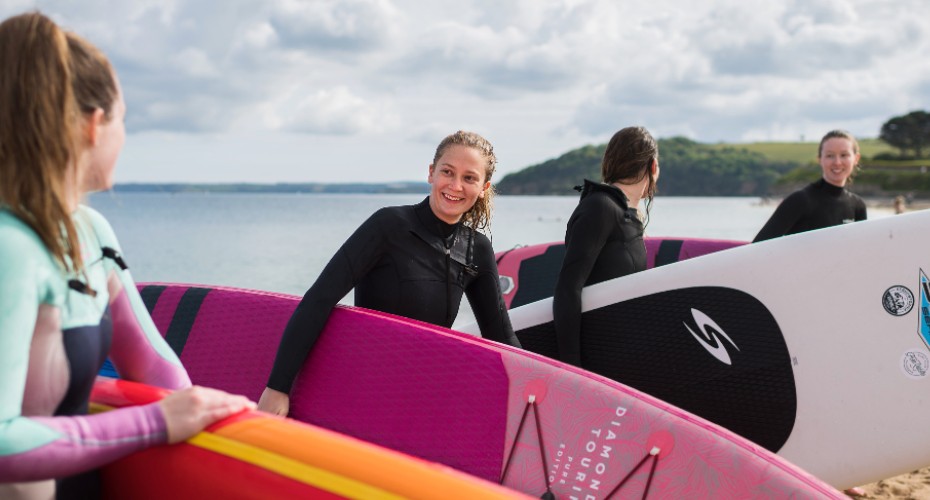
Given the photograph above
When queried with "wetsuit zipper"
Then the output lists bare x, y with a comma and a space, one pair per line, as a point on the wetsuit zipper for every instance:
448, 249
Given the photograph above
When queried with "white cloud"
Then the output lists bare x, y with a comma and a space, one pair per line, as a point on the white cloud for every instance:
334, 111
345, 25
538, 77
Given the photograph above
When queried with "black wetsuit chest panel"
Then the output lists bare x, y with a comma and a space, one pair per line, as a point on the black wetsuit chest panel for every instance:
87, 348
420, 271
816, 206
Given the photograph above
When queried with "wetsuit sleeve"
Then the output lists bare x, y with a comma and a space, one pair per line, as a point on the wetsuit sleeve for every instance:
788, 213
351, 262
138, 351
588, 230
861, 213
34, 448
37, 448
484, 295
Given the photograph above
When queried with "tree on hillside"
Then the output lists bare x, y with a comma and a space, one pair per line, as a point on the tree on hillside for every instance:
910, 132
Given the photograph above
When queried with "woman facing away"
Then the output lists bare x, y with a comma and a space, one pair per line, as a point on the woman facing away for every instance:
826, 202
414, 261
66, 298
604, 235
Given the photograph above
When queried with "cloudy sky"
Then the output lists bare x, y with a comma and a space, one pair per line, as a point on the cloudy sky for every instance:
363, 90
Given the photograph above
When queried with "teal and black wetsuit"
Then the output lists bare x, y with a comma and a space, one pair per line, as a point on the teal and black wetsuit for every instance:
817, 205
403, 261
603, 240
54, 335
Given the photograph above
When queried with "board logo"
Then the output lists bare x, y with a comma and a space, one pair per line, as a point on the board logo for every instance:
915, 364
898, 300
710, 336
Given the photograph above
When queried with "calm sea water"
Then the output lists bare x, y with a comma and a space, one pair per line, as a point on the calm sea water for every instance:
281, 242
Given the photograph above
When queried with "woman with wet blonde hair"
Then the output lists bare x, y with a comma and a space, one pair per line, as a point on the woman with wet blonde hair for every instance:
414, 261
67, 300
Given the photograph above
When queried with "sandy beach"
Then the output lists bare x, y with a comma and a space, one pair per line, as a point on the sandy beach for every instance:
913, 485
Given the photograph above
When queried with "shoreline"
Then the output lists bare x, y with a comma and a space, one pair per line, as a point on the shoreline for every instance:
888, 203
883, 203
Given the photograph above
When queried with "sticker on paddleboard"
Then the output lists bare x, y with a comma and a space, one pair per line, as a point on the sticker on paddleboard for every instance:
506, 283
923, 321
898, 300
915, 363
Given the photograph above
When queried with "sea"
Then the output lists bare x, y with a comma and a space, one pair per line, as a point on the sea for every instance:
281, 242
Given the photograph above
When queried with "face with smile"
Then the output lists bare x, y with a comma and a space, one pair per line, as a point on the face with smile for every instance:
457, 181
838, 158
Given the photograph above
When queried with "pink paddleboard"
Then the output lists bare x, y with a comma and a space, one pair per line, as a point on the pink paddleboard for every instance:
529, 273
492, 411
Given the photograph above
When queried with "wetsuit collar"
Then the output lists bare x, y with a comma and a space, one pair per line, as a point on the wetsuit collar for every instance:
613, 192
434, 224
454, 240
828, 188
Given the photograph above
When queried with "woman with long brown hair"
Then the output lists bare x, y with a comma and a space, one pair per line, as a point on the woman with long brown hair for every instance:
67, 301
604, 235
414, 261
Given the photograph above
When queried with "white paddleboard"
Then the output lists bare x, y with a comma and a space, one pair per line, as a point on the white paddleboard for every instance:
813, 345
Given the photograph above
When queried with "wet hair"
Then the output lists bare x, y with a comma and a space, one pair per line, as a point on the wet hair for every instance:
51, 78
479, 215
628, 159
841, 134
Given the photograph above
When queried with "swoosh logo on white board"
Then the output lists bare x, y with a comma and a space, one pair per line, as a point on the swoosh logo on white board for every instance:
710, 336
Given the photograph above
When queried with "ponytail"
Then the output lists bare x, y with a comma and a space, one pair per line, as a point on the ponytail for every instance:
50, 79
38, 131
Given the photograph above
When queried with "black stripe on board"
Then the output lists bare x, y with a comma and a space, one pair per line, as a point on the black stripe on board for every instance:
538, 275
150, 295
669, 250
184, 316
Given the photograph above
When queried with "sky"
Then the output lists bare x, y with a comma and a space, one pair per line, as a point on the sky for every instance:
273, 91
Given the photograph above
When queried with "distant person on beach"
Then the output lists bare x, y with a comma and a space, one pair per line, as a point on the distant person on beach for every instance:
899, 205
414, 261
825, 202
604, 236
66, 298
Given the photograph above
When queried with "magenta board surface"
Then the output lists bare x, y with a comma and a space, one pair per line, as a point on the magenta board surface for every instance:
529, 273
465, 402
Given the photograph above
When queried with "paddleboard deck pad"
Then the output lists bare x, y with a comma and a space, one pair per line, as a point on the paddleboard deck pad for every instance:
498, 413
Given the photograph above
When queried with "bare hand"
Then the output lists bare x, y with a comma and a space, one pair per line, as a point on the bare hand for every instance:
274, 402
190, 410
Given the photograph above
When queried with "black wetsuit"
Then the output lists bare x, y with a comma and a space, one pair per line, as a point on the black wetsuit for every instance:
818, 205
603, 240
403, 261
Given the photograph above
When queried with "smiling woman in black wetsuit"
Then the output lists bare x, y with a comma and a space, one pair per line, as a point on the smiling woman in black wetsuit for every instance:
826, 202
604, 237
414, 261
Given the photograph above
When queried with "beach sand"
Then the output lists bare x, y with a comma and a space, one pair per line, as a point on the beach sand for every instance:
913, 485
